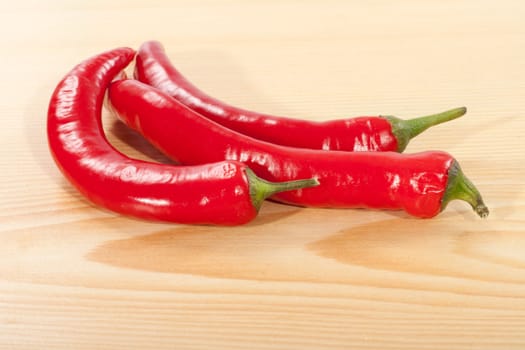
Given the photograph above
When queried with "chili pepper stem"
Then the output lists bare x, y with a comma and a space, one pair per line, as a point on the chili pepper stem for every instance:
460, 187
405, 130
261, 189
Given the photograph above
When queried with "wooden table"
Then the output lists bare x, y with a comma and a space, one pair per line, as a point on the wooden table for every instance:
73, 276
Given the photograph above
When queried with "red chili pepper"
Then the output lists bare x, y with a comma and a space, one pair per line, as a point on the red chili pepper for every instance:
220, 193
377, 133
422, 184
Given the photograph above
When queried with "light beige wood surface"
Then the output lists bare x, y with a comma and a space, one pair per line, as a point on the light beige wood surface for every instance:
73, 276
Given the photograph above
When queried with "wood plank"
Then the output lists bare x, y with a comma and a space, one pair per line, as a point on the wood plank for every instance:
75, 276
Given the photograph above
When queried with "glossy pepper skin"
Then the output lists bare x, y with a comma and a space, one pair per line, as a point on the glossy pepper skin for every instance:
382, 180
375, 133
218, 193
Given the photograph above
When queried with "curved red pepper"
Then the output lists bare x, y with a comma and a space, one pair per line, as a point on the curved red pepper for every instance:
388, 133
416, 183
220, 193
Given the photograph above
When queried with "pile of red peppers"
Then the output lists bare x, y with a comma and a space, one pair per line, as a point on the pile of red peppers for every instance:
229, 160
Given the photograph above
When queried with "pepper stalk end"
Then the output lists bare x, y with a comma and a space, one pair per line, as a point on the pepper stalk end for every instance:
460, 187
260, 189
406, 129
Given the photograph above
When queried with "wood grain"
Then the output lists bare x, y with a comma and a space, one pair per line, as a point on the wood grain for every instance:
73, 276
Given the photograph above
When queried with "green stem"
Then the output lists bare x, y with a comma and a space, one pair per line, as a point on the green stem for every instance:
405, 130
460, 187
261, 189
